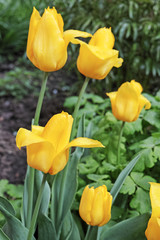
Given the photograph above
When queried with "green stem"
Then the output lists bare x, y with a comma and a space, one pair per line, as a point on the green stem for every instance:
88, 232
78, 105
36, 210
32, 170
119, 143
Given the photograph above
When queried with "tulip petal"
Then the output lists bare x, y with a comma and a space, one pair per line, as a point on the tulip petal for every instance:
155, 199
97, 212
143, 102
106, 208
34, 21
84, 142
40, 156
126, 103
58, 130
49, 48
59, 162
137, 86
153, 229
86, 204
69, 35
25, 137
37, 130
103, 38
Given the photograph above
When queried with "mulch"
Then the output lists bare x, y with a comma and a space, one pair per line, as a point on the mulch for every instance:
19, 113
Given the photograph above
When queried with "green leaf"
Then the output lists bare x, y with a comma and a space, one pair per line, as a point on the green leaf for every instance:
69, 230
3, 185
128, 187
141, 201
13, 228
141, 180
3, 236
46, 228
133, 228
122, 176
146, 160
15, 191
152, 117
96, 177
88, 166
70, 102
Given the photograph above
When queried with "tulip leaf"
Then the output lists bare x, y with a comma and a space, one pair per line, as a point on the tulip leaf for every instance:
45, 198
92, 233
46, 229
3, 236
130, 229
122, 176
70, 230
65, 185
13, 228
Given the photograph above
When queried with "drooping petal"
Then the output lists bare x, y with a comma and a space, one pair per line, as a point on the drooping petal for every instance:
86, 204
70, 35
84, 142
25, 137
58, 130
143, 102
49, 47
40, 156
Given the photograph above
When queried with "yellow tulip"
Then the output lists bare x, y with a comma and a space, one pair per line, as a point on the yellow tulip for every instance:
127, 102
97, 58
95, 206
48, 147
153, 229
47, 43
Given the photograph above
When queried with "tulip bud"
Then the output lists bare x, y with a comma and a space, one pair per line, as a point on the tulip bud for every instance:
127, 102
95, 206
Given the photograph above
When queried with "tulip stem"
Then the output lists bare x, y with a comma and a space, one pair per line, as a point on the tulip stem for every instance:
88, 232
119, 143
32, 170
36, 210
78, 105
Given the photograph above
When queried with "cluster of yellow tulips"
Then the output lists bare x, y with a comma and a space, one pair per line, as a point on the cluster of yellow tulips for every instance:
48, 147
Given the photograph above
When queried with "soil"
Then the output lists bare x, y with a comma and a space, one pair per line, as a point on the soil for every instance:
19, 113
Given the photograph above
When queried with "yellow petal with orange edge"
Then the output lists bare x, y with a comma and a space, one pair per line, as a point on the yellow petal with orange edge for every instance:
40, 156
59, 162
58, 130
25, 137
126, 103
34, 21
103, 38
86, 204
49, 47
70, 35
84, 142
153, 229
155, 199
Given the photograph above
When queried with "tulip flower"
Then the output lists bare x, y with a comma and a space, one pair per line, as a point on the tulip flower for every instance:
95, 206
127, 102
48, 147
47, 43
97, 58
153, 229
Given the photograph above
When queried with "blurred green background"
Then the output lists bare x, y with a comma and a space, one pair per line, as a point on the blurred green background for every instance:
135, 24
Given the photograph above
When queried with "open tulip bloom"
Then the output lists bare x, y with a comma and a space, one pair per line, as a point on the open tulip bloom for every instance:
48, 147
47, 42
127, 102
97, 58
153, 228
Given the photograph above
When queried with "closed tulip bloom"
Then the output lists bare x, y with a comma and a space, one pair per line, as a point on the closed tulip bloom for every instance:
127, 102
48, 147
95, 206
153, 229
97, 58
47, 43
